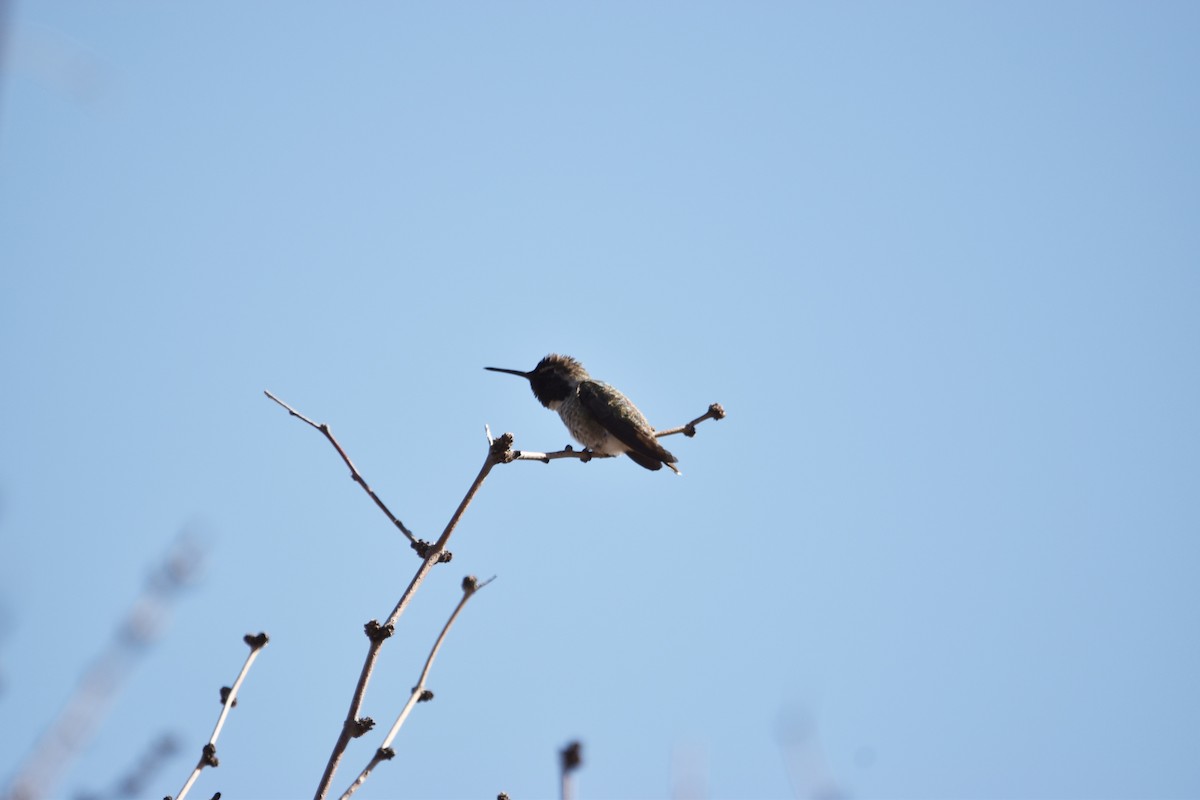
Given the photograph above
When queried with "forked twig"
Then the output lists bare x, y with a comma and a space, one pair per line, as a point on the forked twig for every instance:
146, 622
208, 754
419, 694
355, 475
499, 452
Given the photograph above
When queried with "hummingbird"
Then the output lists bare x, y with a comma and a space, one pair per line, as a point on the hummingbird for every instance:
598, 416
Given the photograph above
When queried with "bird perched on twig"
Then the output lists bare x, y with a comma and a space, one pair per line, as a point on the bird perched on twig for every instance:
598, 416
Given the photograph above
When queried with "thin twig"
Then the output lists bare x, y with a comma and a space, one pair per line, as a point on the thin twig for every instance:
499, 452
715, 411
355, 475
567, 452
208, 754
419, 693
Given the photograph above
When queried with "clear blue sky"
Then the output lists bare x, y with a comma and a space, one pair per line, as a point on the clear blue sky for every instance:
940, 262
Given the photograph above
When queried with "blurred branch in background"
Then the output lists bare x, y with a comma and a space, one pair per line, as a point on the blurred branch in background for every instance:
134, 782
803, 758
98, 686
689, 772
5, 615
4, 37
52, 59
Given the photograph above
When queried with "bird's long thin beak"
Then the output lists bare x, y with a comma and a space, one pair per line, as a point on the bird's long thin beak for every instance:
511, 371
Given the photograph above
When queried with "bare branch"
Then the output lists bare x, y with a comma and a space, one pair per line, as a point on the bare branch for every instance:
208, 754
499, 451
584, 455
71, 730
419, 693
715, 411
355, 475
